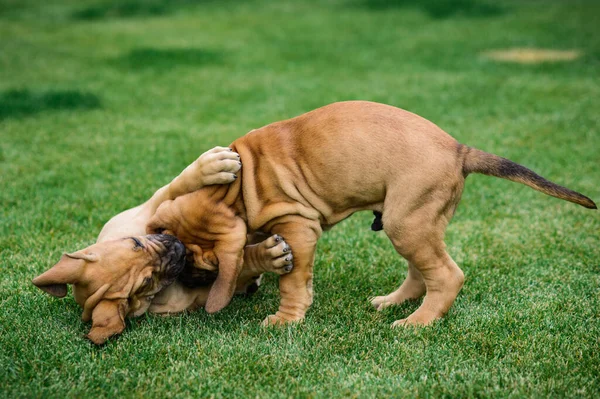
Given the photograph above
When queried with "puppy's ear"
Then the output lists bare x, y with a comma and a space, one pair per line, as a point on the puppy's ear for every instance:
108, 319
230, 254
66, 271
222, 290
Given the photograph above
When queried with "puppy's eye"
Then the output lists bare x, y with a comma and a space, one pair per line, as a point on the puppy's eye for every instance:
138, 244
147, 282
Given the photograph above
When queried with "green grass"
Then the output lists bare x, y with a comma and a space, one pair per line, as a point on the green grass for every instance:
102, 102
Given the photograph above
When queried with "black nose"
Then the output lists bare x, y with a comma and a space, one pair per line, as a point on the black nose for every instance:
174, 255
179, 248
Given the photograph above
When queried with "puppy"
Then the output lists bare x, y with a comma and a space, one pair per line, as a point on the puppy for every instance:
115, 279
303, 175
120, 275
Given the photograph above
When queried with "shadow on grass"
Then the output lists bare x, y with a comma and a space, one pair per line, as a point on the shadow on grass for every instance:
135, 8
20, 103
151, 58
439, 8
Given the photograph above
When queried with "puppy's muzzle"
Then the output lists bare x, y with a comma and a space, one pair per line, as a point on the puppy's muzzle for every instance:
172, 256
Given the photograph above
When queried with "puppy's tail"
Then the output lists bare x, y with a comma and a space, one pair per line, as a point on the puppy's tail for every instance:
477, 161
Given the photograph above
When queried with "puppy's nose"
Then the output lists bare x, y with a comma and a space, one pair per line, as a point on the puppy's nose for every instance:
179, 248
171, 244
174, 254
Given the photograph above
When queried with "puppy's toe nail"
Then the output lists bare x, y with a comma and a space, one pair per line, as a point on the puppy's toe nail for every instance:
286, 249
277, 238
288, 268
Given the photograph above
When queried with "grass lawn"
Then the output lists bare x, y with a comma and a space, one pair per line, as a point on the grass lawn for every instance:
102, 102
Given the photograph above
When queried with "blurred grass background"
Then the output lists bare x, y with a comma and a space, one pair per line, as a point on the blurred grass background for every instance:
102, 102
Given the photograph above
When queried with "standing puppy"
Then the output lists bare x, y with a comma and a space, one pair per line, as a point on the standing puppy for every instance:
303, 175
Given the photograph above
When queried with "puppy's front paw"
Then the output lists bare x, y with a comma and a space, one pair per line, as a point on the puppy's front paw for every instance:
217, 166
280, 319
276, 255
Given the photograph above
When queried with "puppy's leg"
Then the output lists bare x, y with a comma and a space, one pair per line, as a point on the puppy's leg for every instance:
443, 279
216, 166
417, 233
412, 288
295, 288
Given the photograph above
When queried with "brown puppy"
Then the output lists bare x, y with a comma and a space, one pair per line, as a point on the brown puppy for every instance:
120, 278
120, 275
115, 279
303, 175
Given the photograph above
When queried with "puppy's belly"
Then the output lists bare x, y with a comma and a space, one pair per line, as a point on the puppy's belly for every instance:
176, 298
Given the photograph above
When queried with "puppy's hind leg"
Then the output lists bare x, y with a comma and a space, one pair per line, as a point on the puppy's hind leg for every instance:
417, 232
413, 287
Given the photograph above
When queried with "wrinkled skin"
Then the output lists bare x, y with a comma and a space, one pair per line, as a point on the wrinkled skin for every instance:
303, 175
120, 275
192, 288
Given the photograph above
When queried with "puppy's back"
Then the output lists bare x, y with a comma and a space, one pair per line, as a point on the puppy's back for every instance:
340, 158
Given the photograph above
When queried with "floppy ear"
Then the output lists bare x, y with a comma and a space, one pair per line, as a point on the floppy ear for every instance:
108, 319
222, 290
66, 271
230, 255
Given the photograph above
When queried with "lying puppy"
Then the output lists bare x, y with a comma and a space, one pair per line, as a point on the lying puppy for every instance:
120, 275
303, 175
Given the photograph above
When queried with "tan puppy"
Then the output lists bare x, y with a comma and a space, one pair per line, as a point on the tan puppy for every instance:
115, 279
120, 275
303, 175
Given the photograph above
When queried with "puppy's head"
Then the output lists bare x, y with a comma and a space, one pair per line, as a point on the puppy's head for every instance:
115, 279
213, 233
